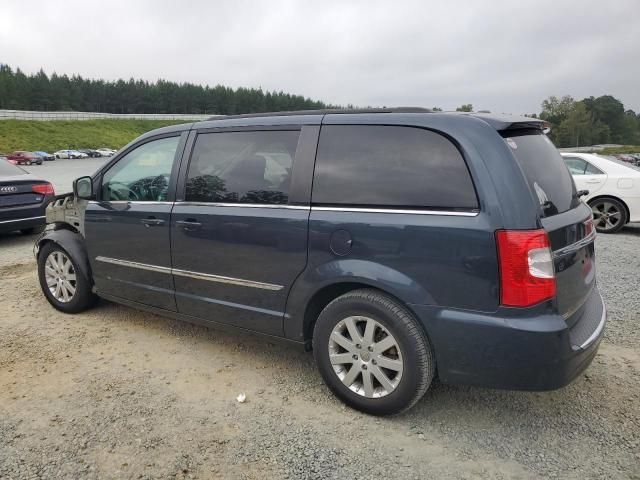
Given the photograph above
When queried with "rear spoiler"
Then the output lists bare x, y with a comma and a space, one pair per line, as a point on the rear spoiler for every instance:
513, 122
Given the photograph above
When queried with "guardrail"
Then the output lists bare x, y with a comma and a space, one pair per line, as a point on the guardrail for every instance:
46, 116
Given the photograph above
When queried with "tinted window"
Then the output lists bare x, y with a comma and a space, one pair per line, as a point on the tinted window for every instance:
545, 171
7, 168
390, 166
242, 167
142, 174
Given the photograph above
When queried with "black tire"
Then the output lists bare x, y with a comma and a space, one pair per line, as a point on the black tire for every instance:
417, 354
615, 205
82, 299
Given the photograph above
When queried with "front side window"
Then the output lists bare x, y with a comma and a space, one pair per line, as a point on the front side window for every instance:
142, 174
242, 167
390, 166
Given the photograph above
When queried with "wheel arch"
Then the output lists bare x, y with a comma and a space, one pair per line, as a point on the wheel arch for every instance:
71, 241
328, 293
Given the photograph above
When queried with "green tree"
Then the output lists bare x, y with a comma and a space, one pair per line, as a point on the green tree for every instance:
467, 107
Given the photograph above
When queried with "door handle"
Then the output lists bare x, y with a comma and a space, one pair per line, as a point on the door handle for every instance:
593, 181
189, 224
152, 222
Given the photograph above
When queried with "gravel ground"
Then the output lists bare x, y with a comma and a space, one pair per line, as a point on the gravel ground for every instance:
117, 393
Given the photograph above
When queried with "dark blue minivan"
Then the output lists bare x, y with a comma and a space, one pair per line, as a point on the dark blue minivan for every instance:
398, 244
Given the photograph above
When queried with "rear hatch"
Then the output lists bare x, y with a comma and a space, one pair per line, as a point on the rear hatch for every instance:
565, 218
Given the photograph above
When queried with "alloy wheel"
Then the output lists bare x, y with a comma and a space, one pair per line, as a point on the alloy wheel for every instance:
60, 276
606, 215
365, 356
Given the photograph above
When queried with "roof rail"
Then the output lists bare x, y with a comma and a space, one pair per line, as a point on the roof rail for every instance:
326, 111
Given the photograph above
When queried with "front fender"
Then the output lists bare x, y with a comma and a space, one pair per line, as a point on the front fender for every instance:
347, 271
72, 242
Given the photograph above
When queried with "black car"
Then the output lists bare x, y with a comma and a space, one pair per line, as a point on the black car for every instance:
397, 244
91, 153
23, 198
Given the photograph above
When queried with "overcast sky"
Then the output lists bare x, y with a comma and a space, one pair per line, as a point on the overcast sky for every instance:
504, 56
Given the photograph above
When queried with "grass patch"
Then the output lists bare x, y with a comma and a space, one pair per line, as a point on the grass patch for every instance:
72, 134
623, 149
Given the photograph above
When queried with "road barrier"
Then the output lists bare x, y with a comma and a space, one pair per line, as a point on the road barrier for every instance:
46, 116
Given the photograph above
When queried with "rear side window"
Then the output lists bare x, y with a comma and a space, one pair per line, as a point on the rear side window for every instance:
390, 166
544, 169
242, 167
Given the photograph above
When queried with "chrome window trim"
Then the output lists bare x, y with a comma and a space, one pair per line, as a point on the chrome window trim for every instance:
22, 219
397, 211
247, 205
575, 246
187, 273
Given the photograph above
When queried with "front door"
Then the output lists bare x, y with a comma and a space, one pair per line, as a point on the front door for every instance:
237, 244
127, 228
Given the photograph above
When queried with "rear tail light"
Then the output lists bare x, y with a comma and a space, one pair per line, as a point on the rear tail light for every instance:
43, 189
526, 267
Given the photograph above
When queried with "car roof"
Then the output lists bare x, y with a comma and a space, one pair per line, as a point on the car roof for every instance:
499, 122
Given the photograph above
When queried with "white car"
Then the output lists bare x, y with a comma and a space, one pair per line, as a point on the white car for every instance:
106, 152
614, 189
66, 154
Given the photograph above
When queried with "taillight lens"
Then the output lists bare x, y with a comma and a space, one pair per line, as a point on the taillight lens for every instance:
526, 267
43, 189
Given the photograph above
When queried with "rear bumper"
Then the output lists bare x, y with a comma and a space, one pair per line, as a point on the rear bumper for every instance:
22, 217
539, 352
22, 223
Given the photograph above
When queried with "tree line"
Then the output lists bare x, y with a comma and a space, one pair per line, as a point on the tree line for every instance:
19, 91
590, 121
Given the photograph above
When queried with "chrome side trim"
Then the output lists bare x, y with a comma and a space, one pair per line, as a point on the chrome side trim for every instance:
397, 211
599, 328
21, 219
247, 205
229, 280
574, 247
130, 202
127, 263
190, 274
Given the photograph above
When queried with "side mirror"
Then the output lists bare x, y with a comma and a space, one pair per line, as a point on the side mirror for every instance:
83, 188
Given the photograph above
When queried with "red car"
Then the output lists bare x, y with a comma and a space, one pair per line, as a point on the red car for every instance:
21, 157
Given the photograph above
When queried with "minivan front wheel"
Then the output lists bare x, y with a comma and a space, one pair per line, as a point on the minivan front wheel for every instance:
62, 282
372, 353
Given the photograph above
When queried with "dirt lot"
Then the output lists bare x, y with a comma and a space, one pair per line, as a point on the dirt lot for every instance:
117, 393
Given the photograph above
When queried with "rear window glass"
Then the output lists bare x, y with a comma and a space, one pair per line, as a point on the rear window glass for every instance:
390, 166
545, 171
7, 168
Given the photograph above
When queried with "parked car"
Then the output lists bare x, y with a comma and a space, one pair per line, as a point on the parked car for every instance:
614, 189
21, 157
91, 153
393, 243
625, 158
70, 154
106, 152
23, 198
45, 156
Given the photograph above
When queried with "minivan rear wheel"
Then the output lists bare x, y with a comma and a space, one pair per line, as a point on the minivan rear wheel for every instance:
372, 353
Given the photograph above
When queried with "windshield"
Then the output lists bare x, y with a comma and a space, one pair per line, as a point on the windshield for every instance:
7, 169
544, 169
